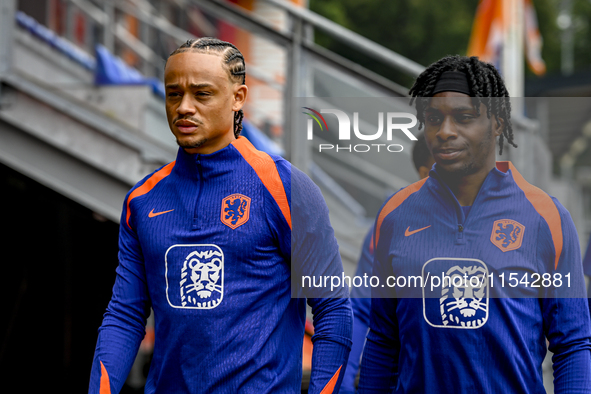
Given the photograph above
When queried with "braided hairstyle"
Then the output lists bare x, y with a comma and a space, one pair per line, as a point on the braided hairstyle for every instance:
484, 81
232, 60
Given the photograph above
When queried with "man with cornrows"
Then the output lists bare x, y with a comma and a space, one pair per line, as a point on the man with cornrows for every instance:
210, 243
495, 261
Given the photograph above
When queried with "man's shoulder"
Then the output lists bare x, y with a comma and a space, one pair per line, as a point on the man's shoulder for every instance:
541, 201
545, 207
401, 196
143, 187
152, 179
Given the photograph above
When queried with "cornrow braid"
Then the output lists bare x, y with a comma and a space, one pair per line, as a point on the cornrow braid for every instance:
232, 60
486, 87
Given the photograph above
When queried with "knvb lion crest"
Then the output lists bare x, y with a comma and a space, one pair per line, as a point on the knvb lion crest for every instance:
464, 297
460, 297
194, 276
507, 234
235, 210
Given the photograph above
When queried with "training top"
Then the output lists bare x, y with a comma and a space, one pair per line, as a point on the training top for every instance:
586, 270
361, 305
587, 259
472, 332
207, 242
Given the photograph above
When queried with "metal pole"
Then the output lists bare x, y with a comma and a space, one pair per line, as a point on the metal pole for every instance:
565, 23
70, 13
513, 48
7, 22
300, 153
109, 26
148, 68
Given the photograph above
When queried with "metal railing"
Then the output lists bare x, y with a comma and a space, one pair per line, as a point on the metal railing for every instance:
156, 35
354, 40
295, 39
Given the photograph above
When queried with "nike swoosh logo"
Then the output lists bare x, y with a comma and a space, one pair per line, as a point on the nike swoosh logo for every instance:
152, 214
407, 233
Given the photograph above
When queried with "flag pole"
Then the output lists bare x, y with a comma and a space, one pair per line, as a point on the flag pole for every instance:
512, 60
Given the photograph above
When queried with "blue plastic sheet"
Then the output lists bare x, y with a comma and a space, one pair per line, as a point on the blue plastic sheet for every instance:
111, 70
260, 140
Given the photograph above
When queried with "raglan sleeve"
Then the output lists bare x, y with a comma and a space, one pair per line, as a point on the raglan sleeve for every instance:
124, 322
379, 365
587, 259
314, 253
567, 324
361, 304
587, 269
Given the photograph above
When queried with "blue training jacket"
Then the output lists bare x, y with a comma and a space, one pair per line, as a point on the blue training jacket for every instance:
361, 305
207, 243
475, 332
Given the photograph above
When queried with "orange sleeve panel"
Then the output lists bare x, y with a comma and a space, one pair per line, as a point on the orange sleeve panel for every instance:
394, 203
265, 168
328, 389
542, 203
105, 385
148, 185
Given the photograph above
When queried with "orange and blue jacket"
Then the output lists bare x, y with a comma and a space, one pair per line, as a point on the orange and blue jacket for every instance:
514, 280
211, 243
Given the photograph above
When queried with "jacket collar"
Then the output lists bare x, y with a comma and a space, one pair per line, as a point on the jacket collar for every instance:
206, 165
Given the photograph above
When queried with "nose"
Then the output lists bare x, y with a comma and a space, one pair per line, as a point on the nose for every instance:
447, 129
186, 107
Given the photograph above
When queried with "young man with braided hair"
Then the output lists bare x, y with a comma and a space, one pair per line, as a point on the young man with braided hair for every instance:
207, 243
498, 258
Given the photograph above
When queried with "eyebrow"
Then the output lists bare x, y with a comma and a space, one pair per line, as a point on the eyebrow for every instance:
192, 86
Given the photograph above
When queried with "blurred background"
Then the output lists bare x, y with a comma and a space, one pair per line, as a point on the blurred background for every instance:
82, 120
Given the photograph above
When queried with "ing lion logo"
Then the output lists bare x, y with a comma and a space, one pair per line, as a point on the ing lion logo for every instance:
464, 298
507, 234
194, 276
200, 283
235, 210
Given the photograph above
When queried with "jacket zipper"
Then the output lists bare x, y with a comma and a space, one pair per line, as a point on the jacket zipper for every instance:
460, 234
196, 221
460, 239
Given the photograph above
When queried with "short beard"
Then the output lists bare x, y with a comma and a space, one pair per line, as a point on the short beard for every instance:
469, 168
191, 144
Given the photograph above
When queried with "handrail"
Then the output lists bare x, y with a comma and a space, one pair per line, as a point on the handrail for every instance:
157, 22
302, 54
351, 38
239, 17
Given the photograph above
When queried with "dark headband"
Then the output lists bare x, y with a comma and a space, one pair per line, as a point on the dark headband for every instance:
452, 81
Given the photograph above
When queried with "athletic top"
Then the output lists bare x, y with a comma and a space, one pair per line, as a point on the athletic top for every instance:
586, 269
587, 259
471, 333
361, 304
206, 242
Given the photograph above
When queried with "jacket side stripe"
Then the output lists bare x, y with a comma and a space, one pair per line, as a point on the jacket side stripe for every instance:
394, 203
105, 386
329, 388
265, 168
543, 204
148, 185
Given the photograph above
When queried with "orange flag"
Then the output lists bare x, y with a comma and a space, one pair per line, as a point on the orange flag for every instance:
533, 40
488, 31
